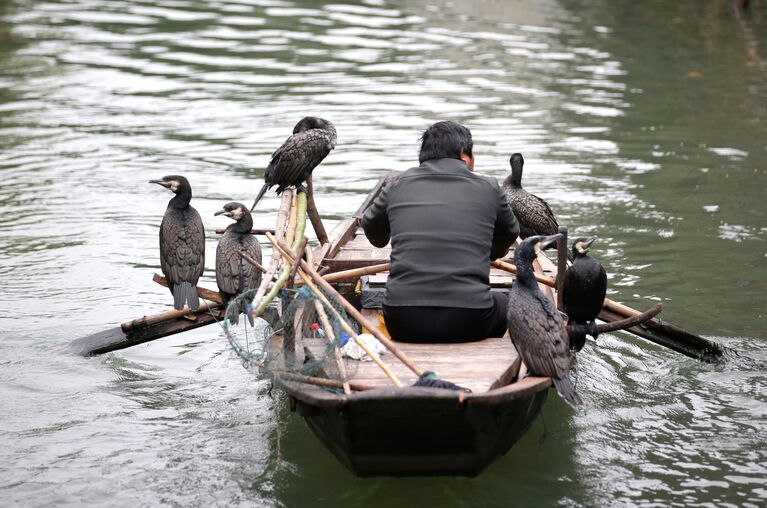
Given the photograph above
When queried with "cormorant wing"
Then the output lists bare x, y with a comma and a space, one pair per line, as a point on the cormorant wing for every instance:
182, 246
293, 162
234, 274
545, 347
545, 221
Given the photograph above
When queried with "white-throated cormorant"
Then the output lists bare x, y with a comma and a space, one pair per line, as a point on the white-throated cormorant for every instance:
182, 243
235, 275
534, 215
583, 291
535, 326
291, 164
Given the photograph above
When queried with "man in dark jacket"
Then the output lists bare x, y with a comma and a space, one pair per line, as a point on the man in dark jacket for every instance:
445, 223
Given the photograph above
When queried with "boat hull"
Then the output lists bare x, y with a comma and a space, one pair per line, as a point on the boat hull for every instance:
413, 432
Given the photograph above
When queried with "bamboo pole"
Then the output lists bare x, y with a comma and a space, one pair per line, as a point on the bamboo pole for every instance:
290, 233
301, 249
320, 381
348, 329
329, 330
353, 273
282, 219
332, 340
296, 232
254, 231
351, 310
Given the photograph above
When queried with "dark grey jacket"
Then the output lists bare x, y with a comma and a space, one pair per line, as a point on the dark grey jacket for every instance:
446, 223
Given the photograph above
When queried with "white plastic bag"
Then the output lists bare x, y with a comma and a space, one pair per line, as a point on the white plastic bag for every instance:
352, 350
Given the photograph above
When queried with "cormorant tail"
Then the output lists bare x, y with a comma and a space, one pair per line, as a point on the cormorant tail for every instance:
185, 293
567, 391
260, 195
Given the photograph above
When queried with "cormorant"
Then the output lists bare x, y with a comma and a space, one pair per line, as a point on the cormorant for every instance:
182, 243
535, 326
312, 140
583, 291
234, 275
534, 215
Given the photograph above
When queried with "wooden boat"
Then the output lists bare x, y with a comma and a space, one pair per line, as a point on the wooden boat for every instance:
411, 431
382, 430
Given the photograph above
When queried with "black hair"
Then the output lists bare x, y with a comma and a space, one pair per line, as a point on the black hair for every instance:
445, 140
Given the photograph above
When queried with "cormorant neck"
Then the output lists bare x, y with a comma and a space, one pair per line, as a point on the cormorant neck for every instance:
525, 273
243, 225
516, 175
181, 199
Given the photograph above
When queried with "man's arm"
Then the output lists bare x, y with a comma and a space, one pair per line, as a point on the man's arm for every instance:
375, 221
506, 227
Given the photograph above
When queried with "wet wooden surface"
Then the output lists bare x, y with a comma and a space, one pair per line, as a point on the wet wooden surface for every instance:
475, 365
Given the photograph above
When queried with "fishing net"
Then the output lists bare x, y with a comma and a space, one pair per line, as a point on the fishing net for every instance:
302, 341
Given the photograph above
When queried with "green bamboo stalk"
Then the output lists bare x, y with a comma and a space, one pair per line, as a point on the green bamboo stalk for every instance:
299, 236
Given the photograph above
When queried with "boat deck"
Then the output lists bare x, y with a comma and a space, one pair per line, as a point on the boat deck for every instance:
479, 366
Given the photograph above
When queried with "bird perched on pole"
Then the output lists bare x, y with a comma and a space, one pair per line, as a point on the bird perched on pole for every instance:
234, 274
534, 215
182, 243
535, 326
291, 164
583, 292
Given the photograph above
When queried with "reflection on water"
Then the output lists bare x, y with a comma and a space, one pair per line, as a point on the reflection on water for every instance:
640, 123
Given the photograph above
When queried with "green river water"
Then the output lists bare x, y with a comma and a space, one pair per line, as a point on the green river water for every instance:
644, 123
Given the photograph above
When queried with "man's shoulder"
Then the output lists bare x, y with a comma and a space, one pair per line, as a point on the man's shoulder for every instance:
489, 180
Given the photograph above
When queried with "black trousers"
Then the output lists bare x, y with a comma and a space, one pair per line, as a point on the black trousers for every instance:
447, 324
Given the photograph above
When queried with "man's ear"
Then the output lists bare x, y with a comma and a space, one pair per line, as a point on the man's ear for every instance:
468, 159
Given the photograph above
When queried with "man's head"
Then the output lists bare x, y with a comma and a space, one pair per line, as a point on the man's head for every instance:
447, 140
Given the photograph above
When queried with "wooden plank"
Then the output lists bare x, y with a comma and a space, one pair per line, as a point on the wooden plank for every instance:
115, 339
382, 182
337, 238
476, 365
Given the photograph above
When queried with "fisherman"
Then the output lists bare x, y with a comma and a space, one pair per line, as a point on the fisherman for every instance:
445, 223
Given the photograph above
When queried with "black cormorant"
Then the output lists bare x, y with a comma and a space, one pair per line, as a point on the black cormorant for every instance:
312, 140
534, 215
235, 275
182, 243
583, 291
535, 326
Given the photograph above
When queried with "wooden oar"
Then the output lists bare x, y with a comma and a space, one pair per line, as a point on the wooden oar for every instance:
155, 327
654, 330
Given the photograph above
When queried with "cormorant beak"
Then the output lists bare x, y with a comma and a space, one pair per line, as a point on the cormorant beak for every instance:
223, 212
164, 183
583, 245
548, 240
